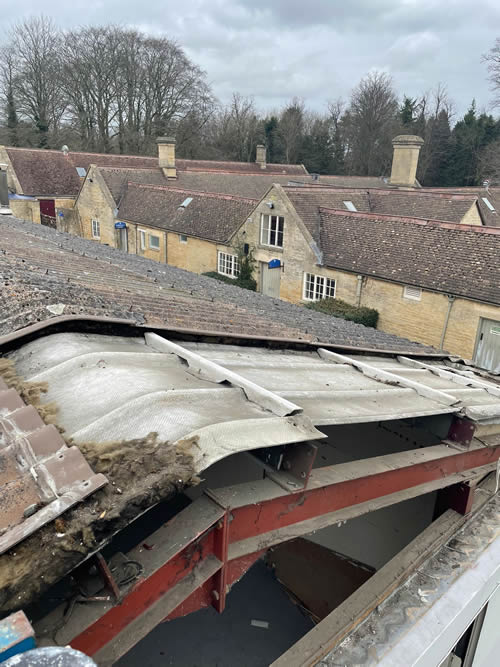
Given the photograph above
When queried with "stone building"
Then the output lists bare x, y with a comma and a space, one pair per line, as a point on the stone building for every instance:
435, 280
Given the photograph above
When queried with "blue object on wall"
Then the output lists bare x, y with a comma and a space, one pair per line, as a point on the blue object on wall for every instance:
274, 264
120, 225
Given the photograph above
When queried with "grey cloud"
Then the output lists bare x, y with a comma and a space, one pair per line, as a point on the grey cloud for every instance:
318, 50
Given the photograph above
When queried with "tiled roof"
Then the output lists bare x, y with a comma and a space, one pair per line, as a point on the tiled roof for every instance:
308, 199
492, 195
117, 179
243, 185
40, 477
240, 167
421, 204
51, 172
45, 273
354, 181
207, 215
417, 204
44, 172
446, 257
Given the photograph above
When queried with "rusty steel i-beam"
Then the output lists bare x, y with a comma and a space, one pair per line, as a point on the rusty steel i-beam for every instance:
209, 545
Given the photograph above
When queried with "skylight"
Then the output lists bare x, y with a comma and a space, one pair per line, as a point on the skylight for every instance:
488, 204
81, 172
186, 202
350, 206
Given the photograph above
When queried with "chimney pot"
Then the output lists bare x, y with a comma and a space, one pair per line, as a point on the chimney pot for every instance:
166, 156
405, 159
260, 156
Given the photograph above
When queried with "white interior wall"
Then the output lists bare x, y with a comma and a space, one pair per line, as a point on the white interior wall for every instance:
373, 538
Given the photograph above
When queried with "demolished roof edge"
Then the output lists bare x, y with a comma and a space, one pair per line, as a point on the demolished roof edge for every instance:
30, 330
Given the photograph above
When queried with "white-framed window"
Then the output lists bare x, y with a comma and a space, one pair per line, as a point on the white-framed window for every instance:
271, 230
411, 292
142, 239
154, 242
183, 238
96, 229
318, 287
228, 265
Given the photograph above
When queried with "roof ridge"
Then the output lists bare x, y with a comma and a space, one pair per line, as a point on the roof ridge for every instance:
107, 166
481, 229
212, 195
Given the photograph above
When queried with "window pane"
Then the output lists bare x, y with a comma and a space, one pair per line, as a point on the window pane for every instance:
330, 288
320, 283
264, 237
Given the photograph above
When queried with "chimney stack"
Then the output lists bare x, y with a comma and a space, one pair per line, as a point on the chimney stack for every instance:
405, 160
260, 157
166, 156
4, 191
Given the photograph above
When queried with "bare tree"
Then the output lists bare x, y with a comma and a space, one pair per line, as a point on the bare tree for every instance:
291, 129
436, 111
7, 84
37, 88
492, 59
235, 129
370, 123
90, 63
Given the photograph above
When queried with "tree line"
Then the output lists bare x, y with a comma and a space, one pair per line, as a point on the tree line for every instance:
113, 89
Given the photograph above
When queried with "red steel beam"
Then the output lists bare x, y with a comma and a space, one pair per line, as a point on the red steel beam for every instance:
269, 507
261, 517
203, 597
143, 595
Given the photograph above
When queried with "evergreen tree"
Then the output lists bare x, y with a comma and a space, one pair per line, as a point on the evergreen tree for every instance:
469, 138
407, 112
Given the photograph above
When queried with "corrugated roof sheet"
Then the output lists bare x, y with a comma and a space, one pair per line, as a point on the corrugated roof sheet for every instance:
110, 388
114, 389
40, 477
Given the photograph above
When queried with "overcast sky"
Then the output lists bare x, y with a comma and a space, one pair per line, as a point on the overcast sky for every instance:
314, 49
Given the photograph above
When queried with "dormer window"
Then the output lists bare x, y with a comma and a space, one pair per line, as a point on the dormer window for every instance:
271, 230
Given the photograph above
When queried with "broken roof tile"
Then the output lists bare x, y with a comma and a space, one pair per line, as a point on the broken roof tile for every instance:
40, 477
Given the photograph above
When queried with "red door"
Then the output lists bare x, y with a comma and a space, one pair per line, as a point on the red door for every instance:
48, 212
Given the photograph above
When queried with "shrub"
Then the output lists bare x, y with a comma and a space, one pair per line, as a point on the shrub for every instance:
240, 281
339, 308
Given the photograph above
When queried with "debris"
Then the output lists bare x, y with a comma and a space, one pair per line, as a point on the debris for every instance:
102, 514
56, 308
148, 547
259, 624
60, 525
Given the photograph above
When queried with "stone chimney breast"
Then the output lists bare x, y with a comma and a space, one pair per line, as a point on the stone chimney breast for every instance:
405, 160
166, 156
260, 157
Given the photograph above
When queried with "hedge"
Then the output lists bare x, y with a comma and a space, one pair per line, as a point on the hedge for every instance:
339, 308
249, 283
